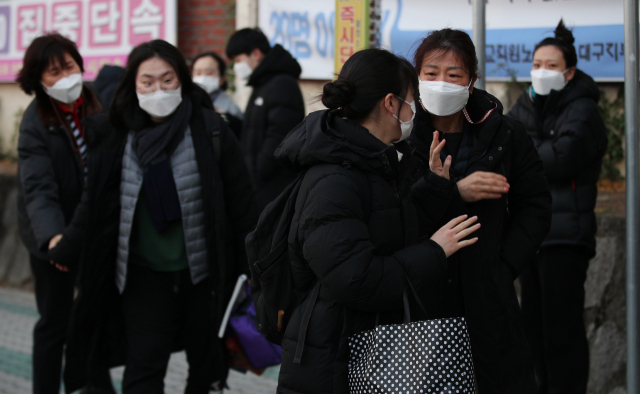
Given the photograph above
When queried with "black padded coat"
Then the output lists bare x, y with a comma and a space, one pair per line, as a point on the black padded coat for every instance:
571, 138
274, 108
363, 255
50, 172
513, 228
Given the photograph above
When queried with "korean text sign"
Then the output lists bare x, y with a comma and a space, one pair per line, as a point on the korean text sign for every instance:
105, 31
352, 29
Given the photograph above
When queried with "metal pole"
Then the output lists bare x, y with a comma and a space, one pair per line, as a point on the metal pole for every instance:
479, 27
375, 19
633, 198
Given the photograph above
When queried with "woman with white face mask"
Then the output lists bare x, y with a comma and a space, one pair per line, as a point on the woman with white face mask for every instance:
498, 176
209, 72
168, 204
51, 169
560, 113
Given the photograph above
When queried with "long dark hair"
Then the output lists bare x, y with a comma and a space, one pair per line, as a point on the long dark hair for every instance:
446, 40
365, 79
563, 40
125, 112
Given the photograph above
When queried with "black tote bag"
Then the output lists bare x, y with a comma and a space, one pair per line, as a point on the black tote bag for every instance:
423, 357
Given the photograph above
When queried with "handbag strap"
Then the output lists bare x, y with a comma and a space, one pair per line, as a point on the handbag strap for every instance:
415, 295
405, 301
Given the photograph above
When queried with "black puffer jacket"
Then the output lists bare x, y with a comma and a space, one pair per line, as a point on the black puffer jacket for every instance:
513, 228
274, 108
50, 171
571, 138
362, 255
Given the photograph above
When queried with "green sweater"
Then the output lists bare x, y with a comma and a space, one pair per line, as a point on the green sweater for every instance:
158, 251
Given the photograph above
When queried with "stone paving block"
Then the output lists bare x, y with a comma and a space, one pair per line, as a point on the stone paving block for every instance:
10, 384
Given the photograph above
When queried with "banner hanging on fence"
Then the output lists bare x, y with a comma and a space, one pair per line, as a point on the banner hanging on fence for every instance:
514, 27
352, 29
105, 31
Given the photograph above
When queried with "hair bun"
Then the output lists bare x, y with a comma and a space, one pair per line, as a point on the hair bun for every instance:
564, 34
337, 94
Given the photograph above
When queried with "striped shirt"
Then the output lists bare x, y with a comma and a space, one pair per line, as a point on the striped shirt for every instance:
73, 119
80, 144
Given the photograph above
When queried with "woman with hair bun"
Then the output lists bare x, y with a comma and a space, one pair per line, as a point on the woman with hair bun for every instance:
560, 113
356, 226
496, 175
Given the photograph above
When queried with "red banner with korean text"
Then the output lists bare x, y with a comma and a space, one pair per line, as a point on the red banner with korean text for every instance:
105, 31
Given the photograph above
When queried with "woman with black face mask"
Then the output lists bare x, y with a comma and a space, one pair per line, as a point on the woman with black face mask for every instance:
498, 176
166, 209
560, 113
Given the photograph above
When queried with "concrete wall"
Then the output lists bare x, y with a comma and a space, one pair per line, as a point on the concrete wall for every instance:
14, 258
12, 101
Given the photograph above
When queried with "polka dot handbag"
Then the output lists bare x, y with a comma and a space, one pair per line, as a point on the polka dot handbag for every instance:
424, 357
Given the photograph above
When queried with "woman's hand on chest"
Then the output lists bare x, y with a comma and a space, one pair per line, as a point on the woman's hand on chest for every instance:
482, 185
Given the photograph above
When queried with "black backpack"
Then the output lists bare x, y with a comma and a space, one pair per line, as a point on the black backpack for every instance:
274, 294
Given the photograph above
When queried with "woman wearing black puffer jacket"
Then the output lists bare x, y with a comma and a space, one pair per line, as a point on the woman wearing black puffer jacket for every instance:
560, 113
355, 229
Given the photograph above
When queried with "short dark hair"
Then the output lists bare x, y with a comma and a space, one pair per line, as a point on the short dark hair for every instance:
125, 112
42, 52
245, 41
365, 79
446, 40
222, 65
563, 40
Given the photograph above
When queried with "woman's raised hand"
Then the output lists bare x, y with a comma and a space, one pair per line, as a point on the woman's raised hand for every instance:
451, 236
435, 163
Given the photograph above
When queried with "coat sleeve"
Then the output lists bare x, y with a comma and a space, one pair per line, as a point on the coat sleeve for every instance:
529, 204
67, 252
38, 182
336, 244
285, 110
578, 142
238, 190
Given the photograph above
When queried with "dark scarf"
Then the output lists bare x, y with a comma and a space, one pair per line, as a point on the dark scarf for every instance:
154, 146
462, 155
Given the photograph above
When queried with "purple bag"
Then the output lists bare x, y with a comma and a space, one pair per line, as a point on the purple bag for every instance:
259, 351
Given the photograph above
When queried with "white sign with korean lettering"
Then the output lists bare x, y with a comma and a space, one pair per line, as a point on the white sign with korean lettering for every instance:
514, 27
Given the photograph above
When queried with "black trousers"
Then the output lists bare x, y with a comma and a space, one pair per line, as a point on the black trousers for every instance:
54, 297
161, 308
54, 292
552, 308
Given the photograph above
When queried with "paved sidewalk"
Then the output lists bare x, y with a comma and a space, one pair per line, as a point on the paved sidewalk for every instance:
18, 315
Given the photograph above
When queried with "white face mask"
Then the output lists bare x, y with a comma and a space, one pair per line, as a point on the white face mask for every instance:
406, 127
242, 70
442, 98
160, 103
544, 80
67, 89
208, 83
